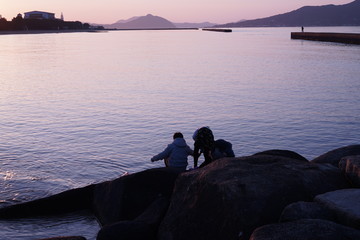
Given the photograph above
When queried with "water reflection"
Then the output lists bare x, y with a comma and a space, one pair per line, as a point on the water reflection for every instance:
76, 224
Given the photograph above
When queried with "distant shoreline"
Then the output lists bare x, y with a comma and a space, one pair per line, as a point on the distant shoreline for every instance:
144, 29
48, 31
84, 30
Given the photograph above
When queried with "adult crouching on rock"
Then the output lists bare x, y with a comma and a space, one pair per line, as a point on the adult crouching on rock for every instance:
222, 149
204, 143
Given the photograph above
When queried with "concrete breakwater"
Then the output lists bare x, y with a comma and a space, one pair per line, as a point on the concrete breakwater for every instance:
275, 194
349, 38
217, 30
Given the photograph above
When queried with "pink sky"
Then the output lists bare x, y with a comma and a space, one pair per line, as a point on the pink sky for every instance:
110, 11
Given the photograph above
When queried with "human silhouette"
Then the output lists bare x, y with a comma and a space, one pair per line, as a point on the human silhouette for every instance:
175, 154
204, 143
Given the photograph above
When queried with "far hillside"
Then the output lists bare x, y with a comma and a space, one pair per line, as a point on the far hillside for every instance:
327, 15
145, 22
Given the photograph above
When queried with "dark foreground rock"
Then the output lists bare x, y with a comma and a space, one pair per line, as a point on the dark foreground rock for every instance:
228, 199
306, 210
128, 197
232, 197
304, 230
124, 198
282, 153
345, 204
143, 227
350, 166
333, 157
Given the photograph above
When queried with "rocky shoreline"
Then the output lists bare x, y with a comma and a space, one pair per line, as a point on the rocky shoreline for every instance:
275, 195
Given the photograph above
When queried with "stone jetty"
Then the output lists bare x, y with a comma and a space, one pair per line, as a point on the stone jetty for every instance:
276, 194
348, 38
218, 30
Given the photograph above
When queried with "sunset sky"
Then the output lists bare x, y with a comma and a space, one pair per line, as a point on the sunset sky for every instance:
110, 11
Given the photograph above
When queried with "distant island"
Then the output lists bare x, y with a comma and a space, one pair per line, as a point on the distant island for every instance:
42, 21
327, 15
152, 22
144, 22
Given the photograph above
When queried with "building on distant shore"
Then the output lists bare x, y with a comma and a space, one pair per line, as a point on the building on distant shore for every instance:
39, 15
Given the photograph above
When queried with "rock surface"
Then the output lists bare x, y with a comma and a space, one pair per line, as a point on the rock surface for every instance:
333, 157
306, 229
232, 197
351, 168
306, 210
128, 197
345, 204
282, 153
228, 199
143, 227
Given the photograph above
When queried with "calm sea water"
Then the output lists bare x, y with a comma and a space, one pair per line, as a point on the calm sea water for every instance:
82, 108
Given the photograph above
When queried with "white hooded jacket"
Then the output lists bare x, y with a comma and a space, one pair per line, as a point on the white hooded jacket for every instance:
177, 152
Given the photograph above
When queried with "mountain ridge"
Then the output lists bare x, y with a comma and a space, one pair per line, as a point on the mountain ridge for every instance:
325, 15
143, 22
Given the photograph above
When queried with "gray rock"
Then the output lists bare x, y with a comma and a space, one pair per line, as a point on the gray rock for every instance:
234, 196
306, 229
351, 168
333, 157
345, 204
306, 210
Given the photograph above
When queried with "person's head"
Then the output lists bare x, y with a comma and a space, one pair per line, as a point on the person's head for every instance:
197, 130
178, 135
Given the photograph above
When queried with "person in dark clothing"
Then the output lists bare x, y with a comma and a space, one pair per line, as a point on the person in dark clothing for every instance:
222, 149
204, 143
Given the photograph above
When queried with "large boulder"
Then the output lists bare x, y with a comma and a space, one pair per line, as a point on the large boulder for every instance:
128, 197
306, 229
350, 166
143, 227
282, 153
133, 197
232, 197
333, 157
306, 210
124, 198
345, 204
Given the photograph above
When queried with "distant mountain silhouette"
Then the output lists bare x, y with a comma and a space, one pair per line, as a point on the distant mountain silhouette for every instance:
327, 15
145, 22
127, 20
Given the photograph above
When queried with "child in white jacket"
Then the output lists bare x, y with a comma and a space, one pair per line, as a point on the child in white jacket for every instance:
176, 154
